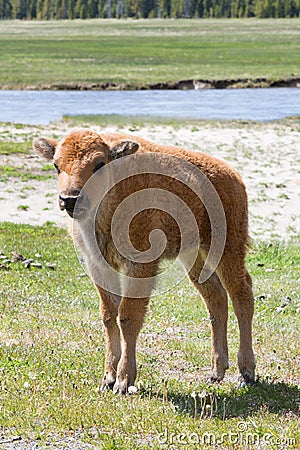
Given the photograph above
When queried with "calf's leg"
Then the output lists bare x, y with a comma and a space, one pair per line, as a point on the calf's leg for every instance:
215, 298
109, 305
238, 284
131, 315
216, 301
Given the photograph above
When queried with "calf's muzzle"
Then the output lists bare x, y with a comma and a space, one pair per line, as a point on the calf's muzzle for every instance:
75, 205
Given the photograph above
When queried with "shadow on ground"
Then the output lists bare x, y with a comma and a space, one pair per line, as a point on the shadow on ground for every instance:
213, 401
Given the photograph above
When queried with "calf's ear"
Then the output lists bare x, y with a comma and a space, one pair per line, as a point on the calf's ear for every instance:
123, 149
45, 147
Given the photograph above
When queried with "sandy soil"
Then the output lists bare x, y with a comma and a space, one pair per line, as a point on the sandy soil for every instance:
267, 155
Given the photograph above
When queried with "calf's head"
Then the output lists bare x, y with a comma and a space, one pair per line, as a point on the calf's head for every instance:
76, 158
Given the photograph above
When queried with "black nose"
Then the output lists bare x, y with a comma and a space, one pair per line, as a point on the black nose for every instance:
68, 203
75, 205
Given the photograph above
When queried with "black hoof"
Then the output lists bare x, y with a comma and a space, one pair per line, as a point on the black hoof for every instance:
215, 378
107, 385
246, 379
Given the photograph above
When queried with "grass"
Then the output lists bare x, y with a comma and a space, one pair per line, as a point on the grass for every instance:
9, 147
139, 52
52, 351
7, 172
132, 122
23, 207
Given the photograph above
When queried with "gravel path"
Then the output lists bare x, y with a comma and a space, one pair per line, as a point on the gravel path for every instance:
54, 442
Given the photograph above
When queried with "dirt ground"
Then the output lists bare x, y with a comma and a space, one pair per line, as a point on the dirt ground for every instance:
267, 155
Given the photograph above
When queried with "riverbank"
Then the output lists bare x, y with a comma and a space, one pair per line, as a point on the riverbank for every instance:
266, 154
238, 83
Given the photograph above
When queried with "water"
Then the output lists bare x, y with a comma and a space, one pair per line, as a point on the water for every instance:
42, 107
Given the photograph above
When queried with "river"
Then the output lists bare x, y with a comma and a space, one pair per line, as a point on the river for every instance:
42, 107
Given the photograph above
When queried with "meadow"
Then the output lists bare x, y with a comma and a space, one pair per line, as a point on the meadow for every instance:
52, 344
52, 350
140, 52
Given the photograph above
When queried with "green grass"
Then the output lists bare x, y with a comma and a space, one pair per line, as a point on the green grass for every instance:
134, 122
131, 122
146, 51
52, 350
23, 207
7, 171
47, 168
8, 147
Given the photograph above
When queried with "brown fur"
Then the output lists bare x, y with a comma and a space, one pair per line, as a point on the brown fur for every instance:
76, 157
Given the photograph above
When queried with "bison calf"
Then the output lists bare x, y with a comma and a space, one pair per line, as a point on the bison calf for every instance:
180, 204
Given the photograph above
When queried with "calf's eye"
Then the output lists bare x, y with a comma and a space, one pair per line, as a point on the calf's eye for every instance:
56, 168
99, 166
